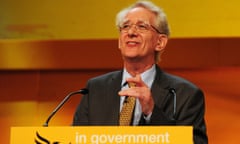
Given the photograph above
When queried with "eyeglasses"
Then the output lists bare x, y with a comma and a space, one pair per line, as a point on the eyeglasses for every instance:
140, 27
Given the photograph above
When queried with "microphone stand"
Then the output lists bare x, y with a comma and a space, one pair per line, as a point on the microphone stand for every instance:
82, 91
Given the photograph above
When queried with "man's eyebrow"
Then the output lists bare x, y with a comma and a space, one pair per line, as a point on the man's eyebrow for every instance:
138, 21
125, 21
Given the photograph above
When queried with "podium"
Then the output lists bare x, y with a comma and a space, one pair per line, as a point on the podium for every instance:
102, 135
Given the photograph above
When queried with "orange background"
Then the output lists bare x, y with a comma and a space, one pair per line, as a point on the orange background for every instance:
35, 75
51, 48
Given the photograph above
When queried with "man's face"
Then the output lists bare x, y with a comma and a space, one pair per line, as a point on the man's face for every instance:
137, 42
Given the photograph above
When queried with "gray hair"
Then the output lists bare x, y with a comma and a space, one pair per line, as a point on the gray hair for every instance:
161, 22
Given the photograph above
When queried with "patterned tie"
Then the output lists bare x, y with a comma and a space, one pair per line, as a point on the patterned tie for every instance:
127, 109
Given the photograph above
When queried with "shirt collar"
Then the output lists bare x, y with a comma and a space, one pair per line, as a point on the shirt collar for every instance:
147, 76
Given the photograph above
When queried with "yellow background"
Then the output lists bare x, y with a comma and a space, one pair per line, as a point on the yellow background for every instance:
94, 19
80, 42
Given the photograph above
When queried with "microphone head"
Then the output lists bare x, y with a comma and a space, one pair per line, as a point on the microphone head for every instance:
83, 91
172, 90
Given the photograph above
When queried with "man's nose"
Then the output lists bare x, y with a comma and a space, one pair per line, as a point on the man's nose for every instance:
133, 28
132, 31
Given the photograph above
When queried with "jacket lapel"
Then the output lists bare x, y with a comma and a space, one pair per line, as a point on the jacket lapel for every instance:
160, 88
114, 88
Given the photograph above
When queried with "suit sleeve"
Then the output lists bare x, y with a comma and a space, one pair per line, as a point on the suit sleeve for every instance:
190, 111
80, 117
81, 114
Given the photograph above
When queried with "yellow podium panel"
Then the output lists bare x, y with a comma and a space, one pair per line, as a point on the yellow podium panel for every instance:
102, 135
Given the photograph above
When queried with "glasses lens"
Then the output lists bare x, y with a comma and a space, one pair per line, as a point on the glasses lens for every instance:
140, 27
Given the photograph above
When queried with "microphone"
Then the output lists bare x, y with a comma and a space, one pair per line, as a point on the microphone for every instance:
173, 92
81, 91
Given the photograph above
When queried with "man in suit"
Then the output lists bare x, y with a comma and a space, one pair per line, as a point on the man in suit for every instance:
161, 98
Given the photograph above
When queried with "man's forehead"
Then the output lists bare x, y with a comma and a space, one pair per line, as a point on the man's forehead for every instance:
135, 21
139, 14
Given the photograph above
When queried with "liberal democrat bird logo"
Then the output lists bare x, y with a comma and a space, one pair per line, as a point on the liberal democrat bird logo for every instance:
41, 140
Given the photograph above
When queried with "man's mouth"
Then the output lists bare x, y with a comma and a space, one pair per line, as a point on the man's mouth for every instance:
132, 43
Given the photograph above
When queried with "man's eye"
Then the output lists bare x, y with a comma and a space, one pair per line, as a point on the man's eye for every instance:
126, 26
142, 26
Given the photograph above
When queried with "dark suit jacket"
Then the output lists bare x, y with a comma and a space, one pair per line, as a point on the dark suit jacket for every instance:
101, 105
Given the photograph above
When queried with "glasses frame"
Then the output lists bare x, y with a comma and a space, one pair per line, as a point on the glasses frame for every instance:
136, 26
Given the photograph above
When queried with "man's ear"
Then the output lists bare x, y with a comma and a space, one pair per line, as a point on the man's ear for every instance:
119, 44
162, 42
